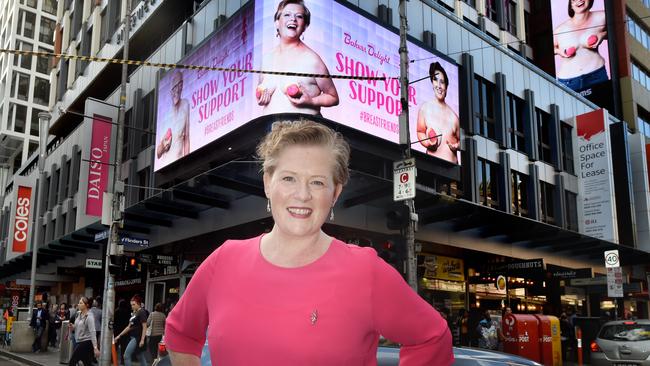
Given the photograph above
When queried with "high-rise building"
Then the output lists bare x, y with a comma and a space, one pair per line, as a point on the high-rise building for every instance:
635, 87
26, 25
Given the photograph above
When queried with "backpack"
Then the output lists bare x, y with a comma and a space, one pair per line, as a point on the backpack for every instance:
489, 337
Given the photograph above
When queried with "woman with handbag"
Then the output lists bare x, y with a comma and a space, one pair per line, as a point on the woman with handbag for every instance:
155, 329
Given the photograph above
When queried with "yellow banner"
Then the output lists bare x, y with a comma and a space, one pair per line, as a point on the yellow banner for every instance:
443, 268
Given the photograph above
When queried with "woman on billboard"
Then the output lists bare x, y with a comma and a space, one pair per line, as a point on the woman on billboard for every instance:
576, 41
282, 94
438, 127
175, 143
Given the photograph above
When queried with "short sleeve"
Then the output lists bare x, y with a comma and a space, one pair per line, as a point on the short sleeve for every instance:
402, 316
187, 323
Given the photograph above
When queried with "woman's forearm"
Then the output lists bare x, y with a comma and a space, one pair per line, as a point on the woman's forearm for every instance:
184, 359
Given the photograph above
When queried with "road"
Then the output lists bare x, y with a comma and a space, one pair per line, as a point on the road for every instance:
9, 362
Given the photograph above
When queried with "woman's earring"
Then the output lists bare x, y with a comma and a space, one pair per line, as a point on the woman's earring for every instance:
332, 214
277, 33
268, 205
302, 37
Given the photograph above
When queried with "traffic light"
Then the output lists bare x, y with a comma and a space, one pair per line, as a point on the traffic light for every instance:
132, 264
398, 218
116, 265
393, 251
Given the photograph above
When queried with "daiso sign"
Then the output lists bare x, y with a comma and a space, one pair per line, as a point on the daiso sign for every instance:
100, 156
21, 218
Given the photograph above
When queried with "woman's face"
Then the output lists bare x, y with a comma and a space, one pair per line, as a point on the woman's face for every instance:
439, 85
177, 88
580, 6
302, 189
82, 305
135, 306
291, 23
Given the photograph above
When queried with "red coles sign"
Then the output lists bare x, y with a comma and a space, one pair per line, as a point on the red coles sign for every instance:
21, 221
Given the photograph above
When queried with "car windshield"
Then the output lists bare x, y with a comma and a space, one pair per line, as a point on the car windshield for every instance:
626, 332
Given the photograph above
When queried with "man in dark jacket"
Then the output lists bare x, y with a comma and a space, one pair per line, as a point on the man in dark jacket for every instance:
40, 317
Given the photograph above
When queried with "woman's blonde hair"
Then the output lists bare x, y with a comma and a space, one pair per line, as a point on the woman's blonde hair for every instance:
307, 133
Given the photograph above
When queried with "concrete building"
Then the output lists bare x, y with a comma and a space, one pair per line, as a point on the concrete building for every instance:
24, 80
512, 203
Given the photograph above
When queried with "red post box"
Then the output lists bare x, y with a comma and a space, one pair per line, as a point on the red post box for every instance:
549, 340
522, 335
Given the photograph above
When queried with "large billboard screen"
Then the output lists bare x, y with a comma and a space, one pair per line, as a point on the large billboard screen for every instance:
198, 107
581, 46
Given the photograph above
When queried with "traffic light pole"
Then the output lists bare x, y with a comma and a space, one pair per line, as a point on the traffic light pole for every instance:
405, 141
116, 217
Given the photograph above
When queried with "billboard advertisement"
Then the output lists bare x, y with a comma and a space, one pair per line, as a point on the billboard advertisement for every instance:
99, 164
581, 46
22, 214
596, 207
197, 107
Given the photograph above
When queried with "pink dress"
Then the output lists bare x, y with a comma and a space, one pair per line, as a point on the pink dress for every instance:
329, 312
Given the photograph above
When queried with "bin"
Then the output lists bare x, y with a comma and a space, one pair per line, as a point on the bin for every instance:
65, 350
550, 345
521, 332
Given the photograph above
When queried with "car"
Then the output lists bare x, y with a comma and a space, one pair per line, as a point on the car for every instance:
389, 356
622, 343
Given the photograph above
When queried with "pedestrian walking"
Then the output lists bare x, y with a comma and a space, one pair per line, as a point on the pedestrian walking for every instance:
74, 312
487, 333
121, 321
97, 314
51, 330
84, 327
567, 335
136, 330
60, 316
284, 291
38, 323
155, 328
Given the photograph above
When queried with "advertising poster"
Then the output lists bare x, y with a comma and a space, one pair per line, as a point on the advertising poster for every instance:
311, 41
22, 214
581, 47
597, 217
99, 164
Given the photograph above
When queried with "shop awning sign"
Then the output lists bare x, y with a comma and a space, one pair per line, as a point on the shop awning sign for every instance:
404, 179
443, 268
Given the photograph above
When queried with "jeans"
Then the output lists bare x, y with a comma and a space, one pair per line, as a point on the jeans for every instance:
38, 333
586, 81
134, 347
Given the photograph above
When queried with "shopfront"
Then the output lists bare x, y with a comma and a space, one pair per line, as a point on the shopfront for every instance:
442, 282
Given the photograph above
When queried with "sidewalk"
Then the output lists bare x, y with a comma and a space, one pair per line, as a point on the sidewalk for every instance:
48, 358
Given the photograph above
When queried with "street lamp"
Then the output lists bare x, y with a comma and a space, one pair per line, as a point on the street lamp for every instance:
43, 128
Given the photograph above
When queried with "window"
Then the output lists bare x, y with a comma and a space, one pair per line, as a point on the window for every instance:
31, 3
571, 210
43, 63
49, 6
62, 83
147, 117
638, 31
32, 147
527, 34
471, 3
104, 28
17, 161
546, 202
75, 182
643, 121
519, 190
20, 87
491, 9
41, 91
26, 23
85, 50
47, 31
543, 134
21, 118
484, 105
511, 16
76, 18
516, 130
24, 61
641, 75
33, 125
143, 181
57, 176
567, 148
487, 174
66, 179
114, 23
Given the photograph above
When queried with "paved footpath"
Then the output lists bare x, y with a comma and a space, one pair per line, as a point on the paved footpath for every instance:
47, 358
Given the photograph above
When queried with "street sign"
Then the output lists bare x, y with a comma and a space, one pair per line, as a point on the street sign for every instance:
404, 174
128, 241
93, 263
102, 235
611, 259
615, 282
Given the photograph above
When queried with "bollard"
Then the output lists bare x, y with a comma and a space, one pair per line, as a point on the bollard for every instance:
579, 341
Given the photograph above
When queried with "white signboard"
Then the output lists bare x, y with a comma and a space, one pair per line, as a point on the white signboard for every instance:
93, 263
596, 205
615, 282
611, 259
404, 180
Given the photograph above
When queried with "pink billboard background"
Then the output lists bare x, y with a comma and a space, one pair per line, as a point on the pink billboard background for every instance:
578, 34
347, 44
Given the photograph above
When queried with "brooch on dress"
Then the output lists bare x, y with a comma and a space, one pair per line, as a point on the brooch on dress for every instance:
314, 317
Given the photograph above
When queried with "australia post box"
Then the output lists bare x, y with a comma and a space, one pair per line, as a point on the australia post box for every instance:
521, 332
550, 346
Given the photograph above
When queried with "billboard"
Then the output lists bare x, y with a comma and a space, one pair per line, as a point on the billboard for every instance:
22, 214
597, 216
196, 107
581, 47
